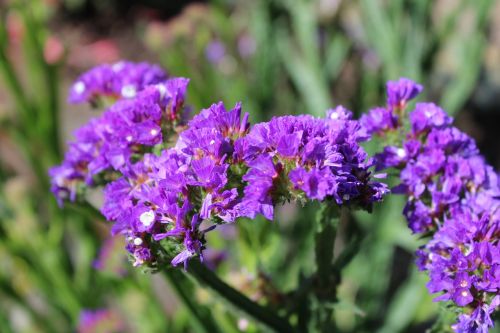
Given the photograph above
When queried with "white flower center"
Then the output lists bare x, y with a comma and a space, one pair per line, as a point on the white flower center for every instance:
465, 293
334, 115
128, 91
153, 132
79, 87
401, 152
137, 241
118, 66
463, 284
147, 218
129, 138
162, 90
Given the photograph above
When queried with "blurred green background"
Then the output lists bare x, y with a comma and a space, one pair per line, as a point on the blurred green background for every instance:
277, 57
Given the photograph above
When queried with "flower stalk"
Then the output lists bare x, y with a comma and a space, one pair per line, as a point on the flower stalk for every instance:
241, 302
184, 290
326, 284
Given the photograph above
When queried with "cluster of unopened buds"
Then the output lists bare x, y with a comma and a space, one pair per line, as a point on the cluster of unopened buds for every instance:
168, 179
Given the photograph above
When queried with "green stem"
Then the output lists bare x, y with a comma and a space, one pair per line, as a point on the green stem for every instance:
325, 241
184, 289
263, 315
326, 284
86, 209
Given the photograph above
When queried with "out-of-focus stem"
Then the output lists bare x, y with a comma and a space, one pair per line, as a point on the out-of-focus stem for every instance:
10, 78
87, 209
261, 314
184, 289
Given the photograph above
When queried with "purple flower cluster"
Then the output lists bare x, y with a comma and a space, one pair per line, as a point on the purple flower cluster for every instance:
122, 133
169, 181
453, 197
170, 195
123, 79
381, 120
302, 157
168, 186
220, 170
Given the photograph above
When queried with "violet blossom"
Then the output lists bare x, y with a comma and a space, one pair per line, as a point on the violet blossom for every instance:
124, 131
123, 79
168, 182
453, 197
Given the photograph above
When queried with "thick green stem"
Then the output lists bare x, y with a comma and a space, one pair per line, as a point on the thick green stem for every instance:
184, 289
261, 314
325, 241
326, 284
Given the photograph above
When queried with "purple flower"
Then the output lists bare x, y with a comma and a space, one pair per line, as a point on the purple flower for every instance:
479, 321
141, 254
222, 204
401, 91
213, 132
120, 80
110, 142
418, 216
391, 157
462, 284
207, 174
261, 185
175, 93
143, 218
315, 183
319, 157
453, 199
427, 116
339, 113
167, 196
192, 243
159, 192
231, 124
379, 120
66, 181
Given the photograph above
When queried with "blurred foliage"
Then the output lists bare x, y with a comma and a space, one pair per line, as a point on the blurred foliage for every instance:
277, 57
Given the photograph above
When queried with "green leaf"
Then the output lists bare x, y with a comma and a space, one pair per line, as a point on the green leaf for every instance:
336, 54
405, 304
